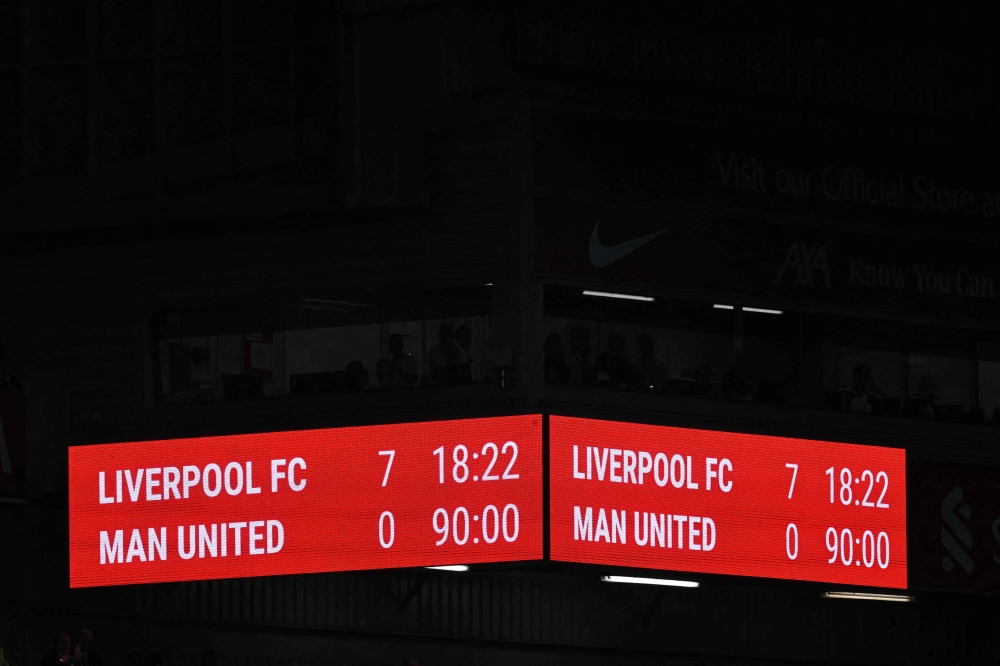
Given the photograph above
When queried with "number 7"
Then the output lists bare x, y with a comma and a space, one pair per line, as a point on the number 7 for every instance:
795, 470
391, 454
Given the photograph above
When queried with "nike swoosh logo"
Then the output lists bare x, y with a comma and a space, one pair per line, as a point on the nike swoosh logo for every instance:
604, 255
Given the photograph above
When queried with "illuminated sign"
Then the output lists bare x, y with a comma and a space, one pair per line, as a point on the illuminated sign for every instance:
656, 497
954, 527
372, 497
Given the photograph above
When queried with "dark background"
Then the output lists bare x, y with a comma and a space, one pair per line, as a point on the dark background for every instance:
179, 170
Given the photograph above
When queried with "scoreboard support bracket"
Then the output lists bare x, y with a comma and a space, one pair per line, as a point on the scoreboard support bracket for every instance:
402, 603
654, 605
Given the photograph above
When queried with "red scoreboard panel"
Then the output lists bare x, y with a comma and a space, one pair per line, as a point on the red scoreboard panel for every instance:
372, 497
658, 497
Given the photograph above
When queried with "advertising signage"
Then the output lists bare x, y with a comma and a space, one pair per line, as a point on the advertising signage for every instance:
642, 247
658, 497
954, 519
758, 174
371, 497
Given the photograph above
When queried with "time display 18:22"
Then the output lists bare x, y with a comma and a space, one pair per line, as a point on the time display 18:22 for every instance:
491, 520
680, 499
367, 497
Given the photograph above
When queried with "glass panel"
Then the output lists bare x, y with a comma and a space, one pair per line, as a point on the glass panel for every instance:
326, 345
664, 347
863, 380
817, 361
939, 387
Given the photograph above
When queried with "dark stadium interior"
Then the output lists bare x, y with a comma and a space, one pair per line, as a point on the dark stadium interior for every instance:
276, 220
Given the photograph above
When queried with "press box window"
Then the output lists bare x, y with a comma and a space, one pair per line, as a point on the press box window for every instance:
325, 345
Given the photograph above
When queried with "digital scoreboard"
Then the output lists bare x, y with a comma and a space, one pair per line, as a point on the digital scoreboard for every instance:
658, 497
471, 491
371, 497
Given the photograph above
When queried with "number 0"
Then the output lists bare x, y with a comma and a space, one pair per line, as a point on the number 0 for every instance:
381, 529
792, 532
507, 536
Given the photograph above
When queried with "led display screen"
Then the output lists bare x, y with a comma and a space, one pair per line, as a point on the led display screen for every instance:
370, 497
657, 497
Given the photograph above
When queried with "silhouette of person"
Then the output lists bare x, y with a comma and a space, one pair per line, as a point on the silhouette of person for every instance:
557, 372
62, 653
921, 405
399, 369
739, 383
358, 376
442, 356
580, 370
861, 387
650, 374
463, 338
209, 658
88, 657
703, 386
612, 365
861, 402
461, 369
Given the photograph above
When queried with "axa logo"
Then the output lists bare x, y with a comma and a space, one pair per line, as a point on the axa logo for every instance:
805, 260
959, 535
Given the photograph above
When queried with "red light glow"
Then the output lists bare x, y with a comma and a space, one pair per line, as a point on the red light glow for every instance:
372, 497
658, 497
